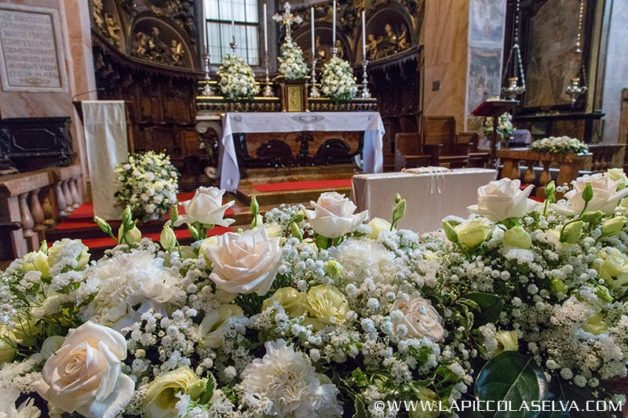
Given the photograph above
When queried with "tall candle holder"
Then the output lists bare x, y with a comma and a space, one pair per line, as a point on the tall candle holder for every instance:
233, 44
314, 93
207, 89
268, 90
334, 52
366, 94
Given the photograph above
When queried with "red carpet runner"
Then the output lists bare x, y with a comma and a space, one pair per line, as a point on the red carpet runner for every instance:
80, 223
291, 186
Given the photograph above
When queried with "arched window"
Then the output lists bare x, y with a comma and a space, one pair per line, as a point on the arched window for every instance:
229, 19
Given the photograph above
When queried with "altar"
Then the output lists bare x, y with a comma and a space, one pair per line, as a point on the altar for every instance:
368, 152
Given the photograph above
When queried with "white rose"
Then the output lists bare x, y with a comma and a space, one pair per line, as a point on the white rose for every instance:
333, 216
206, 208
84, 374
420, 318
503, 199
245, 263
605, 195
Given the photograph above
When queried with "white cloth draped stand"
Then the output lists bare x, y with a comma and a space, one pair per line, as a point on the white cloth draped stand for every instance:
431, 194
104, 124
264, 122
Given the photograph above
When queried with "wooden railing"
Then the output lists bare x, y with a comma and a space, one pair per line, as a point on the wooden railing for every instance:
35, 201
569, 166
607, 156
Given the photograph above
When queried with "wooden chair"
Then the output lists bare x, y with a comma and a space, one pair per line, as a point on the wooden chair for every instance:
408, 152
440, 141
477, 158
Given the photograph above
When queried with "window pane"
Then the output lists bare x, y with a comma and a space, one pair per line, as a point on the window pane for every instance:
211, 9
220, 31
252, 10
252, 50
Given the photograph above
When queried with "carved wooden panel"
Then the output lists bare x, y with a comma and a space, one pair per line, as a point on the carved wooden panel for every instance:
297, 148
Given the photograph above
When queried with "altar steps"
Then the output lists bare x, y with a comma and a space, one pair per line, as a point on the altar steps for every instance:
293, 185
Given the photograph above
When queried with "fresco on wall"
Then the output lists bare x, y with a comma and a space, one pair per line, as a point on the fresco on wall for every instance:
486, 22
486, 39
484, 79
551, 62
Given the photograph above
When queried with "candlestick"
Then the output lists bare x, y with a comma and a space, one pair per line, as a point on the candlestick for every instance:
268, 90
314, 90
333, 39
364, 34
207, 90
312, 29
366, 94
265, 30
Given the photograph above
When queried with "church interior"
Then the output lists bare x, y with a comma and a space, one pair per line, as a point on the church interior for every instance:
423, 66
121, 116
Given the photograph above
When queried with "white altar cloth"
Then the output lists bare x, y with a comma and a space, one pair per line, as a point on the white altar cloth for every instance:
264, 122
430, 196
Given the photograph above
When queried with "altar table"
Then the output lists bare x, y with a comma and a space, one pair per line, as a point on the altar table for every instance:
264, 122
430, 196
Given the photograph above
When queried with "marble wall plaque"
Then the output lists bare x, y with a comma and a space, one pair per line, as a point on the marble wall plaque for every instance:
31, 49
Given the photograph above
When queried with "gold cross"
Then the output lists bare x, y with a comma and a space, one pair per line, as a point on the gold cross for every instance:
287, 19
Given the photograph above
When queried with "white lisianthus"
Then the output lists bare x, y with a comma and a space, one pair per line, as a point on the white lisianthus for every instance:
245, 263
333, 215
206, 208
288, 379
606, 195
420, 318
84, 375
503, 199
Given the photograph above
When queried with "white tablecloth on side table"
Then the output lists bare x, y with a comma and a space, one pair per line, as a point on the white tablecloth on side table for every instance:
104, 124
430, 196
264, 122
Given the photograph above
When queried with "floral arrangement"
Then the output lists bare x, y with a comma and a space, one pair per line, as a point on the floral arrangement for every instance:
338, 81
291, 62
236, 79
316, 313
505, 127
559, 145
148, 183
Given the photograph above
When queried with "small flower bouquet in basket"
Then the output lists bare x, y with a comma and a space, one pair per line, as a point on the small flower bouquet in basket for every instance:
236, 79
338, 81
148, 183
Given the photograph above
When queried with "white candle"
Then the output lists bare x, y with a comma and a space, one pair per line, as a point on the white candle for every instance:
364, 34
312, 29
333, 39
265, 30
232, 22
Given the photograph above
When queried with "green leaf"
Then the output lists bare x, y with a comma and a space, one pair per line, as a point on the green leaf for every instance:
490, 306
360, 408
322, 242
514, 378
209, 390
